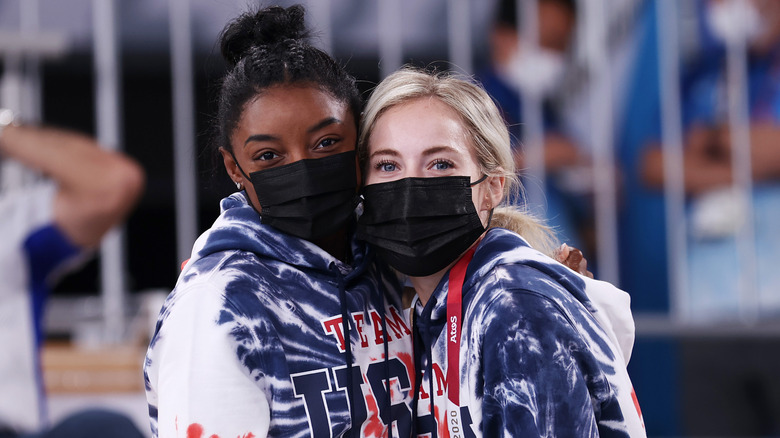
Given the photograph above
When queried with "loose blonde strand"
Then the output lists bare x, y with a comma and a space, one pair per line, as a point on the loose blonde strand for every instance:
540, 236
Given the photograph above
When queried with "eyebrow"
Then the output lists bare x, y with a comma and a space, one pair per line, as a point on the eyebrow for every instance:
439, 149
323, 123
259, 137
314, 128
429, 151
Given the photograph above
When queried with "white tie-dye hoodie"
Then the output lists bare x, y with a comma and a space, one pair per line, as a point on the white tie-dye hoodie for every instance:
250, 342
534, 359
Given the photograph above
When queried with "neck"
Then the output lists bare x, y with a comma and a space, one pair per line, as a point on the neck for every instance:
424, 286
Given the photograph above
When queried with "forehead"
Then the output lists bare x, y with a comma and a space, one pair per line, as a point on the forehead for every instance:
425, 118
287, 106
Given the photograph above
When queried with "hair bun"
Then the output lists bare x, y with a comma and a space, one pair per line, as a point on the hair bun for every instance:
266, 27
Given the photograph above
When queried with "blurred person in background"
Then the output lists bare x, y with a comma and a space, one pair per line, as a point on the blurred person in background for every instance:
517, 69
716, 210
746, 397
47, 228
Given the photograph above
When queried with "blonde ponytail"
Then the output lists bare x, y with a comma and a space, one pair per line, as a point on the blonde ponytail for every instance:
534, 231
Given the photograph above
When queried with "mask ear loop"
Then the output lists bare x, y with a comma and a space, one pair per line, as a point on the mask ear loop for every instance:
484, 177
490, 218
239, 166
250, 181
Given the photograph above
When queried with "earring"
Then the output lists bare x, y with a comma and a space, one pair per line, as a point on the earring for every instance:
239, 186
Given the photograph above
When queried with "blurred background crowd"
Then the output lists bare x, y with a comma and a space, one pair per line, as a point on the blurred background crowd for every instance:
648, 131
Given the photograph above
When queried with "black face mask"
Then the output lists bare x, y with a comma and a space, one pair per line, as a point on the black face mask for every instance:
309, 198
420, 225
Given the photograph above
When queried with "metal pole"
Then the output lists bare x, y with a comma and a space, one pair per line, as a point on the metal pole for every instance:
31, 92
602, 138
14, 174
183, 127
459, 29
739, 122
108, 107
12, 81
674, 183
16, 88
20, 89
531, 110
320, 10
390, 38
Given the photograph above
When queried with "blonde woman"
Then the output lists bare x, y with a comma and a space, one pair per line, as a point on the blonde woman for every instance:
515, 329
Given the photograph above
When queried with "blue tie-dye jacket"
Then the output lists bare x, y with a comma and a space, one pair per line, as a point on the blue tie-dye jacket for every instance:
533, 360
250, 342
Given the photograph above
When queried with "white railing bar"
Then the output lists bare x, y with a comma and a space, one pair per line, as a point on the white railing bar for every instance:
390, 36
108, 117
320, 11
532, 122
739, 122
31, 109
13, 173
673, 159
602, 139
459, 31
184, 143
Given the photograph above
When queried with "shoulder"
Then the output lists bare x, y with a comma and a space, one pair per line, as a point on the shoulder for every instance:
25, 209
520, 297
218, 279
523, 282
528, 336
505, 262
200, 320
523, 292
33, 245
536, 322
544, 312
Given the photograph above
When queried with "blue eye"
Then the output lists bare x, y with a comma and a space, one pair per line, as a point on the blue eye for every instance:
442, 165
385, 166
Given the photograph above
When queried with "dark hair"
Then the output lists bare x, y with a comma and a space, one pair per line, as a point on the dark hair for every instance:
271, 47
506, 12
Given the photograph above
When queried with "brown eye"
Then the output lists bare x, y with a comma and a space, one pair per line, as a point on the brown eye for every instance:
267, 156
327, 143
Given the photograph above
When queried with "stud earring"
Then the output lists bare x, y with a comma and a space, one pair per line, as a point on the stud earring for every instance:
239, 186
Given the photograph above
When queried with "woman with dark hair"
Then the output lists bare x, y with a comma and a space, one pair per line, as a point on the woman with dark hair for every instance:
279, 324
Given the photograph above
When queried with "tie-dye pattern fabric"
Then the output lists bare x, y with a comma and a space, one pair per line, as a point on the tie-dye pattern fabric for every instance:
534, 361
250, 342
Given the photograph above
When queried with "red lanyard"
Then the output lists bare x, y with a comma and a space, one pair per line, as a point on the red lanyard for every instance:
454, 324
